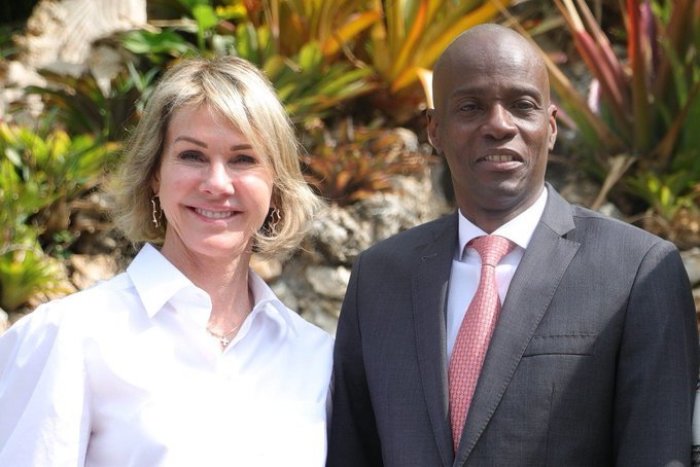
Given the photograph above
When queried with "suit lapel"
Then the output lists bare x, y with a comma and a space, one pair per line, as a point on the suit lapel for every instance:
429, 288
540, 271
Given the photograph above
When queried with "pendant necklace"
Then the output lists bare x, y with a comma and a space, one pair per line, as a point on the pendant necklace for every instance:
224, 339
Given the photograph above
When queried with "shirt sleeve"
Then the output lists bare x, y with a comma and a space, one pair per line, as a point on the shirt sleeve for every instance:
44, 407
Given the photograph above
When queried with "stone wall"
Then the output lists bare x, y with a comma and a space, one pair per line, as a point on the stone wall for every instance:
314, 281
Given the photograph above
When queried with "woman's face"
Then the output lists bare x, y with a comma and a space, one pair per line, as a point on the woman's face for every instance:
214, 189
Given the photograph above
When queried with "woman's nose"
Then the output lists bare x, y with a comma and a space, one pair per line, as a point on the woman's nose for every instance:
217, 180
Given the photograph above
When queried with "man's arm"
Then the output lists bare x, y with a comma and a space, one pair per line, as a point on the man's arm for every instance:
353, 438
657, 366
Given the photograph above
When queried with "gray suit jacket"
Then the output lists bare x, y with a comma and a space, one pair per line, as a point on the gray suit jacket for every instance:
593, 361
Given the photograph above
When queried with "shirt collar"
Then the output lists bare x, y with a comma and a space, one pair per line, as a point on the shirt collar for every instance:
518, 230
267, 302
157, 281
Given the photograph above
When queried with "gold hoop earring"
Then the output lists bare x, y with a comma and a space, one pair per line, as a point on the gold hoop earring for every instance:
156, 213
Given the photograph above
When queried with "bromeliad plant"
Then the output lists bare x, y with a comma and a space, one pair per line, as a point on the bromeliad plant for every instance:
350, 163
643, 121
415, 32
403, 47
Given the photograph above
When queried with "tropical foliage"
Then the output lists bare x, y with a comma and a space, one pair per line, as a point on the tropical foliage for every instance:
351, 163
641, 114
41, 173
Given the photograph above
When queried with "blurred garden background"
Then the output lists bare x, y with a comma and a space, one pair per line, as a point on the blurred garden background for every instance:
354, 76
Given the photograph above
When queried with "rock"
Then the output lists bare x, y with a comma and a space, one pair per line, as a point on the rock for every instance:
339, 235
413, 201
322, 318
268, 269
90, 269
285, 294
328, 281
691, 260
60, 33
15, 77
59, 36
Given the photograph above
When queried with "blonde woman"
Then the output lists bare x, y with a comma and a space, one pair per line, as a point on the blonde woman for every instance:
187, 358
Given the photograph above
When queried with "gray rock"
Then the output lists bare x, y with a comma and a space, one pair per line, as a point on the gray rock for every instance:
691, 260
328, 281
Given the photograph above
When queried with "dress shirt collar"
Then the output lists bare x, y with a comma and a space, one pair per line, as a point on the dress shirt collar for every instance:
518, 230
158, 282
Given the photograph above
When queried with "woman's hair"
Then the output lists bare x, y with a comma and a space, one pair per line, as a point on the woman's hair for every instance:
239, 92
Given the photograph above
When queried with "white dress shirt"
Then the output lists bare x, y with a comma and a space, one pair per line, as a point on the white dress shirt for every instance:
125, 374
466, 266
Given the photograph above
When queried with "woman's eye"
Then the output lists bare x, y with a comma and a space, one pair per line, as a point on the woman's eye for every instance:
243, 159
191, 156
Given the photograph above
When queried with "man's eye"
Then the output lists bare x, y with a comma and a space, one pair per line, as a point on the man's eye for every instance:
524, 105
469, 107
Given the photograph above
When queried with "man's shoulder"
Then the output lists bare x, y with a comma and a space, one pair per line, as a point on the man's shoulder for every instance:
603, 225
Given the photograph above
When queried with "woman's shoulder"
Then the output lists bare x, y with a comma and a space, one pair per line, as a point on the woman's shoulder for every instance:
79, 307
309, 331
304, 339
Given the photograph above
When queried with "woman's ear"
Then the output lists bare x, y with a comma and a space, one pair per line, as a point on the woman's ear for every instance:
155, 184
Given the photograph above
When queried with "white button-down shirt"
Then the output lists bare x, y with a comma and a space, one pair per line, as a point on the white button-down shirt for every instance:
466, 267
125, 374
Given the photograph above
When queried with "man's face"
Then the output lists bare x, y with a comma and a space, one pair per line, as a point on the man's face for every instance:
495, 125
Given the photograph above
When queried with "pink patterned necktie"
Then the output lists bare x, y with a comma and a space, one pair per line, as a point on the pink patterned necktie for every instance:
475, 331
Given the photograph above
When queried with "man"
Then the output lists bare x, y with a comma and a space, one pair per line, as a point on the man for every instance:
593, 359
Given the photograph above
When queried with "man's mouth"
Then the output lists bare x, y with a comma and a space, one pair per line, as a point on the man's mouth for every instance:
500, 158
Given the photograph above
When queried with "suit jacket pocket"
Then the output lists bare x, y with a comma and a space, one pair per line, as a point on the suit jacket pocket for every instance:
561, 344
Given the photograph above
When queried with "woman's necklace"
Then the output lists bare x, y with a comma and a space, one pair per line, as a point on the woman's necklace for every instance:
224, 339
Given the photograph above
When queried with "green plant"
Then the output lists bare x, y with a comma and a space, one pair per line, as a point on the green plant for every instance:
26, 272
203, 29
85, 104
642, 127
7, 46
40, 174
302, 63
158, 46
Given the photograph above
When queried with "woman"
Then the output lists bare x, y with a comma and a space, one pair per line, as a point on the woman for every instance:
187, 358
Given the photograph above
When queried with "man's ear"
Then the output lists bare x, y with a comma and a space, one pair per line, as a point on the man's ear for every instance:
432, 127
552, 125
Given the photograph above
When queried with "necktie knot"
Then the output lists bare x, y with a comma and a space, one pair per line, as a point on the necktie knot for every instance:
492, 248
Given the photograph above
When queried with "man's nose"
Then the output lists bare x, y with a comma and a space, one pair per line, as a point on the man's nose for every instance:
499, 123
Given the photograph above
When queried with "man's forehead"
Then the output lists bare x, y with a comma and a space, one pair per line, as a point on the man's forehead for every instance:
484, 89
505, 65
